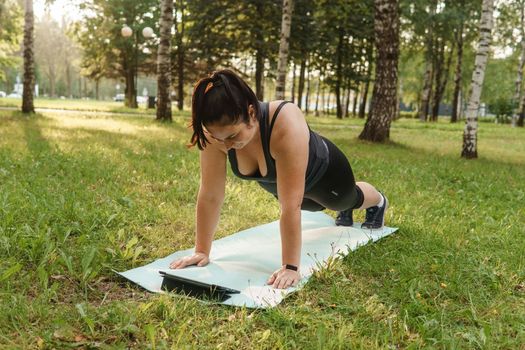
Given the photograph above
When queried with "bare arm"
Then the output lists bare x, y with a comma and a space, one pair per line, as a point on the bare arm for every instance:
210, 197
289, 148
209, 203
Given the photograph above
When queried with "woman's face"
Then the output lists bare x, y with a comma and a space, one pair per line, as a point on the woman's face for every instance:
234, 136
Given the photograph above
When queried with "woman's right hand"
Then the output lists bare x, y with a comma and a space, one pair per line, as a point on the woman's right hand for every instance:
199, 259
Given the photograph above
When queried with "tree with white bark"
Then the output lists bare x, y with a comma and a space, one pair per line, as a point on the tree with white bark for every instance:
283, 49
470, 133
518, 101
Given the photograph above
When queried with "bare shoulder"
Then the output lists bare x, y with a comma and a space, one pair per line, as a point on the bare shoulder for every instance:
289, 129
289, 117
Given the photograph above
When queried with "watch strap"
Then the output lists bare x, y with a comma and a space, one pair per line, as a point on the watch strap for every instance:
291, 267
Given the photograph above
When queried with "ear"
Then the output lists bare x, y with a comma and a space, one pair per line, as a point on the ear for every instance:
251, 113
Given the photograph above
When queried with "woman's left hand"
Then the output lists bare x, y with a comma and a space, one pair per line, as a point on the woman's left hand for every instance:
284, 278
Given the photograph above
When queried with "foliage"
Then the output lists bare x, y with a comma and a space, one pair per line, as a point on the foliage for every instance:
304, 34
425, 32
502, 108
222, 30
11, 25
500, 78
56, 56
508, 24
346, 45
106, 52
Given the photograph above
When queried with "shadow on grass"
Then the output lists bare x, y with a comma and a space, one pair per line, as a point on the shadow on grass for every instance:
403, 151
36, 143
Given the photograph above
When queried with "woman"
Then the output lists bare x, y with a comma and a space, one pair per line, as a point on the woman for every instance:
302, 169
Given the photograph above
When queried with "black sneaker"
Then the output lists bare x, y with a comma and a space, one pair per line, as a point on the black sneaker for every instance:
344, 218
375, 216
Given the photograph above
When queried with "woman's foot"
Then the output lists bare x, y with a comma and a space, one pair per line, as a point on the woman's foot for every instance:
375, 216
344, 218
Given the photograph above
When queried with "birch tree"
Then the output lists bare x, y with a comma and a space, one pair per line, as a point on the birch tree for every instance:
519, 76
384, 95
29, 61
470, 133
283, 49
181, 52
427, 78
164, 62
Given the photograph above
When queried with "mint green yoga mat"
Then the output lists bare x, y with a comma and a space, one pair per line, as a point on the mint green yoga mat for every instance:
243, 261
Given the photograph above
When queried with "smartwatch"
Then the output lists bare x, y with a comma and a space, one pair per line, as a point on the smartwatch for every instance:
290, 267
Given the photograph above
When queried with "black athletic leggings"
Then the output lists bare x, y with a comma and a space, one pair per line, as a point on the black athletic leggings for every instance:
336, 190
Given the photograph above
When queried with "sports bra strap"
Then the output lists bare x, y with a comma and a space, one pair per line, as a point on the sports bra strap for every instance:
275, 114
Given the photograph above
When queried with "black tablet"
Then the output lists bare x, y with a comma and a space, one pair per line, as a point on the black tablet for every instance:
195, 288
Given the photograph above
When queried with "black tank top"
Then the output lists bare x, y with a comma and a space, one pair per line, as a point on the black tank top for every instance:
317, 155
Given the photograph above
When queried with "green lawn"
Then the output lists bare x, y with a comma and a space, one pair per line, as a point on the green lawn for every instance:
83, 194
78, 105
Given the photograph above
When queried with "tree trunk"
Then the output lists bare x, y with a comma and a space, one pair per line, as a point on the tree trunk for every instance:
29, 64
457, 79
439, 57
85, 86
180, 59
339, 73
245, 66
52, 81
317, 95
347, 102
364, 96
427, 90
97, 86
286, 24
323, 101
362, 106
259, 71
471, 126
519, 76
68, 81
384, 95
300, 89
131, 99
293, 82
164, 62
429, 69
442, 80
522, 113
308, 88
354, 105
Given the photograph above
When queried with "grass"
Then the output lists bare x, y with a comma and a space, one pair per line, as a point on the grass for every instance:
79, 105
83, 194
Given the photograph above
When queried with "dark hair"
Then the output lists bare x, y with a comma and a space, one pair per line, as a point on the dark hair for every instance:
221, 98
